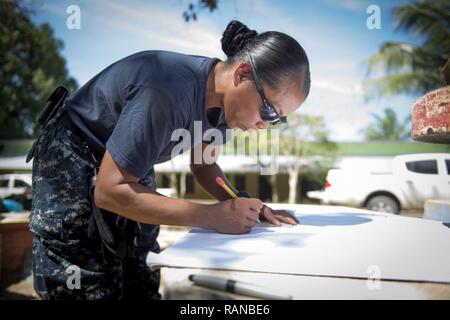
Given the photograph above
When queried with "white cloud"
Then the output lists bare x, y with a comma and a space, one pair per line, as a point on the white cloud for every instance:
347, 90
152, 23
121, 30
344, 113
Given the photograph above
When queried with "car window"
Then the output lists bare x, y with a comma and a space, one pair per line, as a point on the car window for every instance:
4, 183
423, 166
447, 164
20, 184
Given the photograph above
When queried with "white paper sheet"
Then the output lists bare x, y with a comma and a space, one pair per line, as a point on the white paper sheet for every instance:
330, 241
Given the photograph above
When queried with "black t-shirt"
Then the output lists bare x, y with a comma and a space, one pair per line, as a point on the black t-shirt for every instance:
134, 107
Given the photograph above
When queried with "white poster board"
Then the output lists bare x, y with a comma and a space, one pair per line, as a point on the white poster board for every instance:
330, 241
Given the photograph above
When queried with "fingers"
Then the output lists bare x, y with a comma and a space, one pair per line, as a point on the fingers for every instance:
248, 209
275, 217
253, 208
288, 220
255, 204
252, 220
287, 216
270, 217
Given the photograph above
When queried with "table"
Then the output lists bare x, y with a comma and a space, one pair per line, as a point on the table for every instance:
175, 283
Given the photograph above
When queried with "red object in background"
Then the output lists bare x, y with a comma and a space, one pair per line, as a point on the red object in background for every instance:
327, 184
15, 249
431, 117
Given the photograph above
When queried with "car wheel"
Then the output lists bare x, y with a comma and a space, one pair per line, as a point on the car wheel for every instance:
383, 204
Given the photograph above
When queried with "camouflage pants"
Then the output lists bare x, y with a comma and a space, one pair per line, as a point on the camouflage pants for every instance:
67, 263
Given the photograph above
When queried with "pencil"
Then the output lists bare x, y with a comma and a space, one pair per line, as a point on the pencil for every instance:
222, 183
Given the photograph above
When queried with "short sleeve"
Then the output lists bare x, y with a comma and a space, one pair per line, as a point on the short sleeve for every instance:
144, 126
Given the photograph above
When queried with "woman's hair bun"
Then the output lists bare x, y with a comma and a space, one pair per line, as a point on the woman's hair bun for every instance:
235, 36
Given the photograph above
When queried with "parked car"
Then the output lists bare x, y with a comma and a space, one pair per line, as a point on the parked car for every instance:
14, 184
413, 179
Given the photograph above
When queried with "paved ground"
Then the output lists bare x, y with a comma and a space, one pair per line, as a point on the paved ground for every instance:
23, 289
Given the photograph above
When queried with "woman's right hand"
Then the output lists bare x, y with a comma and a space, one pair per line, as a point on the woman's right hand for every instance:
235, 216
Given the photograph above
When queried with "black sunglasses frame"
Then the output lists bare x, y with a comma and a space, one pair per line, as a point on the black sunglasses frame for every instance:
267, 111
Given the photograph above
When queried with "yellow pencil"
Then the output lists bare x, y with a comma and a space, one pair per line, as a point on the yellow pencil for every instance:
222, 183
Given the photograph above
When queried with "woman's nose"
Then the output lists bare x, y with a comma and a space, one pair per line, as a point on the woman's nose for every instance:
262, 125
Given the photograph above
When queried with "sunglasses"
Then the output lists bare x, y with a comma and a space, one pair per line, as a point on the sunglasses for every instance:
267, 112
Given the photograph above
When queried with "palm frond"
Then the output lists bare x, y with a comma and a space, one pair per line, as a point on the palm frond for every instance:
409, 68
397, 56
417, 82
424, 17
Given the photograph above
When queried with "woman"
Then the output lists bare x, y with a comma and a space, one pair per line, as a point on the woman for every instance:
92, 244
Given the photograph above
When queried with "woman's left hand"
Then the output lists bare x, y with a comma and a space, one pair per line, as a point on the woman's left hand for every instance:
276, 217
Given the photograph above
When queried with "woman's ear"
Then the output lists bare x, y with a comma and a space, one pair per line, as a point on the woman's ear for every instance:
242, 72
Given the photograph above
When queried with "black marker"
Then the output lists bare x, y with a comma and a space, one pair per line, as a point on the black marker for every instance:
238, 287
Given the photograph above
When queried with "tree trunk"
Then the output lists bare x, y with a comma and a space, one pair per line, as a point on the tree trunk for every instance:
293, 180
173, 178
173, 183
273, 184
182, 185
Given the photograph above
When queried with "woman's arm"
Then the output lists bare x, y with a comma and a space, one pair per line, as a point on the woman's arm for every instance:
118, 191
206, 174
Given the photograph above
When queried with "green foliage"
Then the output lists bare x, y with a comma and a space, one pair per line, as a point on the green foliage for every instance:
31, 68
306, 135
192, 12
409, 68
302, 137
387, 127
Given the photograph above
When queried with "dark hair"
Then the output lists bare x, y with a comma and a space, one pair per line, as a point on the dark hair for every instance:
276, 56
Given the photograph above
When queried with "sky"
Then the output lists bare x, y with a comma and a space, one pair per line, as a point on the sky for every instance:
333, 33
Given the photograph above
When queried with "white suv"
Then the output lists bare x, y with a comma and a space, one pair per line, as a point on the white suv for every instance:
14, 184
413, 179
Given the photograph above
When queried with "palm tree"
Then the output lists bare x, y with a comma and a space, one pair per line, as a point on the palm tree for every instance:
305, 136
410, 68
387, 128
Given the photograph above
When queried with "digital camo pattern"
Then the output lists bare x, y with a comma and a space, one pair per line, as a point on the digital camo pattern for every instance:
67, 263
